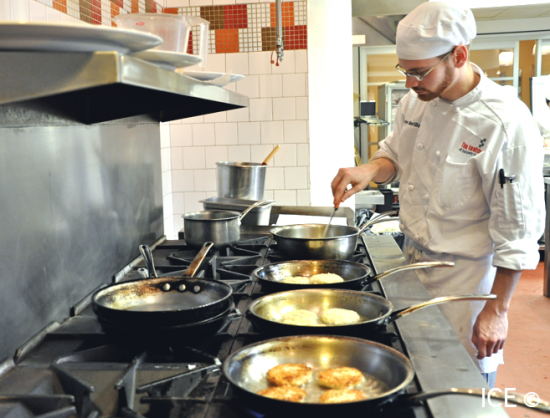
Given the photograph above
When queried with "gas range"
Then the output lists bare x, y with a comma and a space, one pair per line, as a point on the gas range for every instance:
73, 369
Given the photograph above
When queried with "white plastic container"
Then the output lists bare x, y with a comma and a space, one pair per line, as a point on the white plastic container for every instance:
173, 29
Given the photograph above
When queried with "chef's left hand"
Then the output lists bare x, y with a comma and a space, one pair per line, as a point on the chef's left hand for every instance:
489, 333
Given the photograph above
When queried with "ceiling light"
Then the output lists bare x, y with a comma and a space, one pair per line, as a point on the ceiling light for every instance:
482, 4
505, 58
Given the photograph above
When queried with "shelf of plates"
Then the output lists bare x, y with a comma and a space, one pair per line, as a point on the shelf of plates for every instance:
104, 86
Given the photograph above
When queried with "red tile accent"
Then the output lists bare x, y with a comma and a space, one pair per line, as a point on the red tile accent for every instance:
227, 40
287, 11
135, 6
170, 10
151, 6
60, 5
96, 11
119, 3
190, 43
295, 37
235, 16
115, 11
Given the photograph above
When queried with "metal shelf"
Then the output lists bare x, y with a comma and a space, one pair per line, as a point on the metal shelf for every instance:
103, 86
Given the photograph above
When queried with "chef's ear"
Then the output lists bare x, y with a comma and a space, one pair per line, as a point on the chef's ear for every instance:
460, 55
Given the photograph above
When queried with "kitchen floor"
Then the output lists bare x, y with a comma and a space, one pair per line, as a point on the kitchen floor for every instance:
527, 350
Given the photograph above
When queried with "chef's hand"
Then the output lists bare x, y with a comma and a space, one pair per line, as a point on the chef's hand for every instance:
491, 326
490, 331
378, 170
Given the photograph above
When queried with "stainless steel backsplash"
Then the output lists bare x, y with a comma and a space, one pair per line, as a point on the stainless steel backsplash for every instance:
75, 203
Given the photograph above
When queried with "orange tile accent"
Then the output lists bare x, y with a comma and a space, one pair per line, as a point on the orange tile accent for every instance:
170, 10
60, 5
227, 40
287, 10
115, 11
135, 6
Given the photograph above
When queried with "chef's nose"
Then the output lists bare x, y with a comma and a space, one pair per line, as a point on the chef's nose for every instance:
411, 82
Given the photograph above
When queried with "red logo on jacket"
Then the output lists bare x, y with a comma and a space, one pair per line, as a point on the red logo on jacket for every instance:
470, 148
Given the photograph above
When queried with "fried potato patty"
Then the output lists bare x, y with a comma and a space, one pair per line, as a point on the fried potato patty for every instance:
340, 377
325, 278
284, 393
296, 280
342, 395
290, 374
338, 316
300, 317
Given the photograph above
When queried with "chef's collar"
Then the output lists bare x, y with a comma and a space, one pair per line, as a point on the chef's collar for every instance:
471, 96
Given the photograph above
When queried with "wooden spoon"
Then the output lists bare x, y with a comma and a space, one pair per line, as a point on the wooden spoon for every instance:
271, 154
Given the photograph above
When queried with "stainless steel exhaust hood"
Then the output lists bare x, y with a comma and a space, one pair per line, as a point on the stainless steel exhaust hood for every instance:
103, 86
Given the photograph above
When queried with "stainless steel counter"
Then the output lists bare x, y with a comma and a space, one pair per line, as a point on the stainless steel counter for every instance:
438, 357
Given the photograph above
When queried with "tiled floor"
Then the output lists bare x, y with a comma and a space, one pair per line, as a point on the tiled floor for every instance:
527, 349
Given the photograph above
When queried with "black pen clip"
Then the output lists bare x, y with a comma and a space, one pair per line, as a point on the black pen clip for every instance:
502, 178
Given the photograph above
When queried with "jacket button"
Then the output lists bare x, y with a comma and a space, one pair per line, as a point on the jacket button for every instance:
411, 187
417, 238
420, 146
438, 153
401, 227
426, 196
432, 104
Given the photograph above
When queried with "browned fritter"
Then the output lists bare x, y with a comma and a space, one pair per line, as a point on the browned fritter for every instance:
290, 374
284, 393
342, 395
340, 377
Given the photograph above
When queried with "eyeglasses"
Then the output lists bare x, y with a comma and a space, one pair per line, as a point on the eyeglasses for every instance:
421, 77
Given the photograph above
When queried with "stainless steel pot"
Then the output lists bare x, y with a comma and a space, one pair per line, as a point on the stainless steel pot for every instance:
311, 242
241, 180
374, 311
222, 227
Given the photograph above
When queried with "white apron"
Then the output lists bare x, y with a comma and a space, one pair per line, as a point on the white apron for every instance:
467, 276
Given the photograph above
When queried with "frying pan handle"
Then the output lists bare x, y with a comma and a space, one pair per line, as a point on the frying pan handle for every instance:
436, 301
377, 219
413, 266
197, 261
516, 398
147, 255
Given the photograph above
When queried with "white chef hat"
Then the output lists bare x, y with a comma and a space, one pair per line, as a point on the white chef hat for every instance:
433, 29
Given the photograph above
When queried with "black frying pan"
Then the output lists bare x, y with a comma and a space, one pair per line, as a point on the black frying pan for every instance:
164, 301
374, 311
356, 276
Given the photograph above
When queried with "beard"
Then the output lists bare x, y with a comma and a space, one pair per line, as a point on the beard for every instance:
426, 95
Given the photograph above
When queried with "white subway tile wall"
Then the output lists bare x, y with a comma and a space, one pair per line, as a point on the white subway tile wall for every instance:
278, 114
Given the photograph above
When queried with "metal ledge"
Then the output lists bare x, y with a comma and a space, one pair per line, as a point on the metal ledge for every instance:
103, 86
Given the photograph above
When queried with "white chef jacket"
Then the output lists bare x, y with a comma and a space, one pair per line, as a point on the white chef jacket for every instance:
447, 157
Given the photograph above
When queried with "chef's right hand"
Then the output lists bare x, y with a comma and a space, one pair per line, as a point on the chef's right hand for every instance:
358, 177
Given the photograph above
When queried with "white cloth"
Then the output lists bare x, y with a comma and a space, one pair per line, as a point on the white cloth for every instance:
433, 29
447, 157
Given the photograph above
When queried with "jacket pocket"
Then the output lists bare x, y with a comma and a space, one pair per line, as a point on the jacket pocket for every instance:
458, 183
509, 206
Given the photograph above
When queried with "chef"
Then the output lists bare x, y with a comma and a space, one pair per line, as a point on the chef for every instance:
469, 161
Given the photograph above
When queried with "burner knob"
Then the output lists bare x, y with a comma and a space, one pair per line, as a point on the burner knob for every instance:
166, 287
181, 288
197, 289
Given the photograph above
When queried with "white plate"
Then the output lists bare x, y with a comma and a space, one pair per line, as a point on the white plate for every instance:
167, 59
23, 36
212, 76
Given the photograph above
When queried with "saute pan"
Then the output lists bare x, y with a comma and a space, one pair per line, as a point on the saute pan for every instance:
356, 276
317, 242
387, 370
374, 311
164, 301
